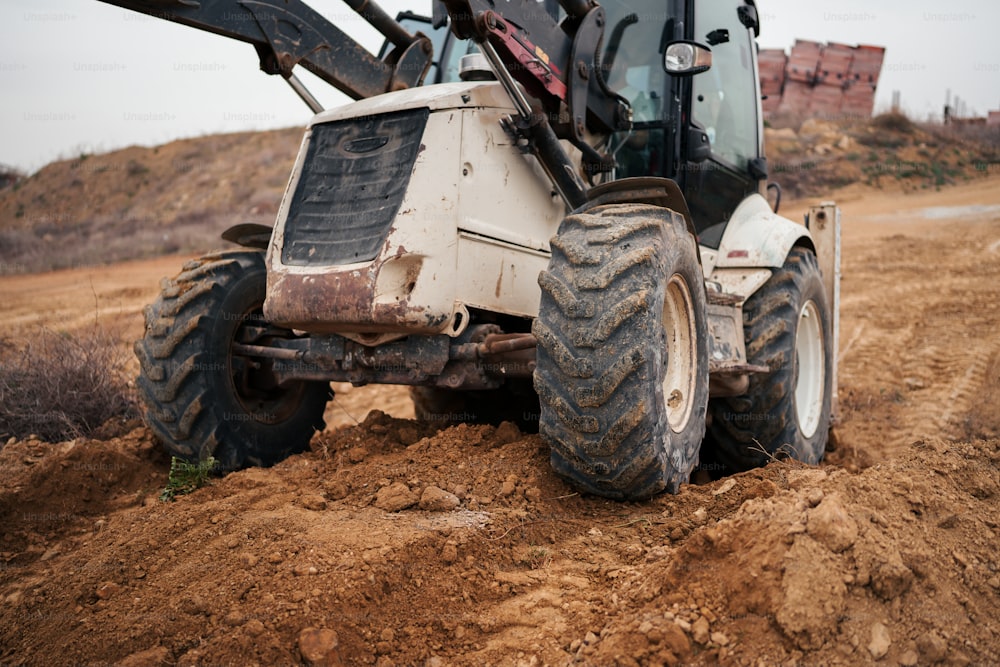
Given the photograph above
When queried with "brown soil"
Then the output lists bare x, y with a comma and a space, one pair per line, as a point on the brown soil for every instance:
393, 542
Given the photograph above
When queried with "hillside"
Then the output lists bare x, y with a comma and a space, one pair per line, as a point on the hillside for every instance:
145, 202
817, 157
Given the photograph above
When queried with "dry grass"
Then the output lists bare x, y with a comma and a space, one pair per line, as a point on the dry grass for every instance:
62, 386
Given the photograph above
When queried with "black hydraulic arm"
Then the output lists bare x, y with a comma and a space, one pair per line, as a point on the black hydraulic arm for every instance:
286, 33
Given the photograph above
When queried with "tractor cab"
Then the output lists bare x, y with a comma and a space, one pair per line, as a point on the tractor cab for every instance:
702, 131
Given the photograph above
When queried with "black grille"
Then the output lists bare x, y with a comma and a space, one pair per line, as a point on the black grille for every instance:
354, 178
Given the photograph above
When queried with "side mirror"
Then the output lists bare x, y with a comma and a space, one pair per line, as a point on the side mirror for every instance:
686, 58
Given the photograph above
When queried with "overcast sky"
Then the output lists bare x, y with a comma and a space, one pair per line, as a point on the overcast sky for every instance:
82, 76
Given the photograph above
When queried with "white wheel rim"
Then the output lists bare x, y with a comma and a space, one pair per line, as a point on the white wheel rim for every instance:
810, 369
680, 378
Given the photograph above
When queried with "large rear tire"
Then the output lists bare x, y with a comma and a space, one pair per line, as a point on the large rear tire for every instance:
785, 413
622, 362
201, 399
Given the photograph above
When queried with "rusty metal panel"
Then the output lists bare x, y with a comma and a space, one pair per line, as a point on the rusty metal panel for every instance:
770, 105
804, 61
727, 359
821, 79
409, 287
858, 101
867, 64
835, 64
772, 64
859, 97
796, 98
825, 101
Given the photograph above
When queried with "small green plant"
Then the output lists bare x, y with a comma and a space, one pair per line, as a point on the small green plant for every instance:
186, 477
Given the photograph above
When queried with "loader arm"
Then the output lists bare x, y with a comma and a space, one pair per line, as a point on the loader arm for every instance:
556, 61
287, 33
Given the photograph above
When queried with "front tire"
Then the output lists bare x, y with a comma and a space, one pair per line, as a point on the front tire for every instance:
785, 413
622, 361
201, 399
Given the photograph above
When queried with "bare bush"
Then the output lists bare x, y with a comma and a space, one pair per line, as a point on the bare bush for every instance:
63, 385
893, 121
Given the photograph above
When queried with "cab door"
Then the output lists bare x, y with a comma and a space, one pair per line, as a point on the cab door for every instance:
723, 151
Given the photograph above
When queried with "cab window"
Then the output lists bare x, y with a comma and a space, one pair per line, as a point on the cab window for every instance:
724, 97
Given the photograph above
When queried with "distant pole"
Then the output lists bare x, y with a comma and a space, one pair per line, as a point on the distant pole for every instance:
895, 101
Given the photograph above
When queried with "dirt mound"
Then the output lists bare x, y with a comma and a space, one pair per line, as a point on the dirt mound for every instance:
897, 562
391, 543
142, 202
51, 490
812, 157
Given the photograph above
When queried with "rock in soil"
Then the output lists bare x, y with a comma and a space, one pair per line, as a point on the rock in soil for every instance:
880, 641
318, 647
395, 497
434, 499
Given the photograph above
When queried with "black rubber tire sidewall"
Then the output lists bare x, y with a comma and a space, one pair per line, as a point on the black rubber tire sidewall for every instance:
620, 445
750, 430
185, 373
246, 438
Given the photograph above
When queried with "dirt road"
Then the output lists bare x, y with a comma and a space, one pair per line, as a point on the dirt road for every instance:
393, 543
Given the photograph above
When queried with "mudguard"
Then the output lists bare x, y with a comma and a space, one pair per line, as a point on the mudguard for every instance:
757, 237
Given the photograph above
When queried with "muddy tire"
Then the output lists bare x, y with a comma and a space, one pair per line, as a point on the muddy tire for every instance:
785, 413
622, 362
517, 404
202, 400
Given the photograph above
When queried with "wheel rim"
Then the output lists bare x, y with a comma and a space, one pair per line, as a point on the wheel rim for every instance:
680, 379
810, 368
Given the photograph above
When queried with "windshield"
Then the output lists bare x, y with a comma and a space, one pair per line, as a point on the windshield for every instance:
725, 95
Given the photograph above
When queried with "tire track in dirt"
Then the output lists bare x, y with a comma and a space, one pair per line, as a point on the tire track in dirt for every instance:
919, 319
940, 403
